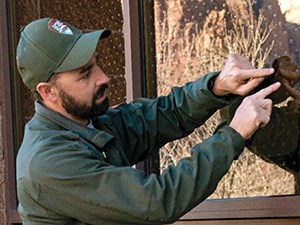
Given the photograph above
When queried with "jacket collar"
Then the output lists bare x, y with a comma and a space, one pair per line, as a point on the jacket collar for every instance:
97, 137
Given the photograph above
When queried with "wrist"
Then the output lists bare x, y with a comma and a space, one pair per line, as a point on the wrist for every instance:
244, 136
213, 86
217, 89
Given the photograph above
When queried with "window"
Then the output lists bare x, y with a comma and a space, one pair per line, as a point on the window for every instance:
193, 38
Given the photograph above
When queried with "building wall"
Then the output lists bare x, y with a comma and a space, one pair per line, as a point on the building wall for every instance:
90, 15
2, 190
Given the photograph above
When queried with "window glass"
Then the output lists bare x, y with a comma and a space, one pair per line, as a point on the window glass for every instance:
194, 37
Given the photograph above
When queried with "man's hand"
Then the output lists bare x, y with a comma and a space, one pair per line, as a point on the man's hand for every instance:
239, 77
254, 112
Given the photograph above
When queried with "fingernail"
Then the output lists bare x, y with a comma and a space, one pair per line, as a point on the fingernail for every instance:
271, 70
277, 83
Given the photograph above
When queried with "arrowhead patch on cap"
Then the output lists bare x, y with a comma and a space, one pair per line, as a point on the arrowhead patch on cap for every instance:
59, 27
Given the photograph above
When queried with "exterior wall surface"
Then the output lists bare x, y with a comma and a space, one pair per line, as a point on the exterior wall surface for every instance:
2, 162
2, 190
85, 15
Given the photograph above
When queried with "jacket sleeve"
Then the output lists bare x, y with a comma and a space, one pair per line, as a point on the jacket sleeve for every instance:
75, 183
145, 125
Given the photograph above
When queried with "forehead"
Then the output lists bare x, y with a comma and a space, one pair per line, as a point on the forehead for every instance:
80, 70
92, 61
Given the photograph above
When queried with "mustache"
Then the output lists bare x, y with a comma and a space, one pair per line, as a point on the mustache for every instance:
101, 90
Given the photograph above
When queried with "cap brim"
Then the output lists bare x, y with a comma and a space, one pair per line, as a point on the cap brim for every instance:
82, 51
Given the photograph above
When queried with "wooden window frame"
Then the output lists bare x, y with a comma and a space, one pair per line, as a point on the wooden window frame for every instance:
140, 74
8, 107
140, 63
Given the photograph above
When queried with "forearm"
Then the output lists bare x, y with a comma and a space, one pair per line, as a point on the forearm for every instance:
148, 122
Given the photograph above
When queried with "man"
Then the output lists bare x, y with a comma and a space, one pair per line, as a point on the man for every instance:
75, 162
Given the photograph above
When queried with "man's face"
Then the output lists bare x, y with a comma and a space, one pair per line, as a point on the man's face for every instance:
83, 109
82, 92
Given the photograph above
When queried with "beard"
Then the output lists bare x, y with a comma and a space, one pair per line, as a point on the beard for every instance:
83, 110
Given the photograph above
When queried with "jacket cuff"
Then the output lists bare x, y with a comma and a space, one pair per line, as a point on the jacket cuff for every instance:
234, 137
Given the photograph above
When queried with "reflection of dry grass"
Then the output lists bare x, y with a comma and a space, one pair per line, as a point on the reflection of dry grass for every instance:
249, 35
248, 176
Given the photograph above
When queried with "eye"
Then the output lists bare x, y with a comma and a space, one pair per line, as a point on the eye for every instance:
85, 75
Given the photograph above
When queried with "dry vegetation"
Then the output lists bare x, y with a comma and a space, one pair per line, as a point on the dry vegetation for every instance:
181, 60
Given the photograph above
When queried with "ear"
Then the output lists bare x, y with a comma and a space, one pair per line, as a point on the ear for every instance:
47, 92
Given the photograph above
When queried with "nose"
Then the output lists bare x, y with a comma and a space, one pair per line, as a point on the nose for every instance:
102, 78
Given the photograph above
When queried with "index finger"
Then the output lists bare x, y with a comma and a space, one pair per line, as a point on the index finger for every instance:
255, 73
268, 90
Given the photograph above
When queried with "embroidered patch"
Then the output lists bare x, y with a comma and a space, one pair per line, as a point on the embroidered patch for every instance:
59, 27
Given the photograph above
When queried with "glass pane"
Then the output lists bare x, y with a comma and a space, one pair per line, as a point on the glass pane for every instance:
194, 37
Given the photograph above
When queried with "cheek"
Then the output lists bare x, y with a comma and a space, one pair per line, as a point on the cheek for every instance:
80, 91
84, 95
77, 91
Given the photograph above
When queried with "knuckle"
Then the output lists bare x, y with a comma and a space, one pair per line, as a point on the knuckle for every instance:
243, 92
248, 99
235, 72
231, 56
269, 101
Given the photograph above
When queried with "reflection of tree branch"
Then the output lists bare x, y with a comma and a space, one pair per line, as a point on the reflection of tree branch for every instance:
249, 35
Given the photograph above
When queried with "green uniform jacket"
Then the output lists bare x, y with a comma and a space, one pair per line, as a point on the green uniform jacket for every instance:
71, 174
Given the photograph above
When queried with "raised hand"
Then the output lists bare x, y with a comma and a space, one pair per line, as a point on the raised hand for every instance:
254, 112
239, 77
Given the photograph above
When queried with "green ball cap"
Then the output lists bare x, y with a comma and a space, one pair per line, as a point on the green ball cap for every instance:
48, 46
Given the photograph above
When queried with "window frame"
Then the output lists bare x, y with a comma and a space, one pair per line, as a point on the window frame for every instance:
8, 110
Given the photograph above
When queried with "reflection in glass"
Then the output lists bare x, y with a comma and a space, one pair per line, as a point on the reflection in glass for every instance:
194, 37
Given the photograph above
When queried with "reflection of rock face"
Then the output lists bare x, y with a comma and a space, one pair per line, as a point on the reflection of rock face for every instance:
187, 25
213, 31
186, 18
291, 10
280, 35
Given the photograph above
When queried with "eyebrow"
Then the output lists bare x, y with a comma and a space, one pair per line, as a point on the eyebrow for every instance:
85, 68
